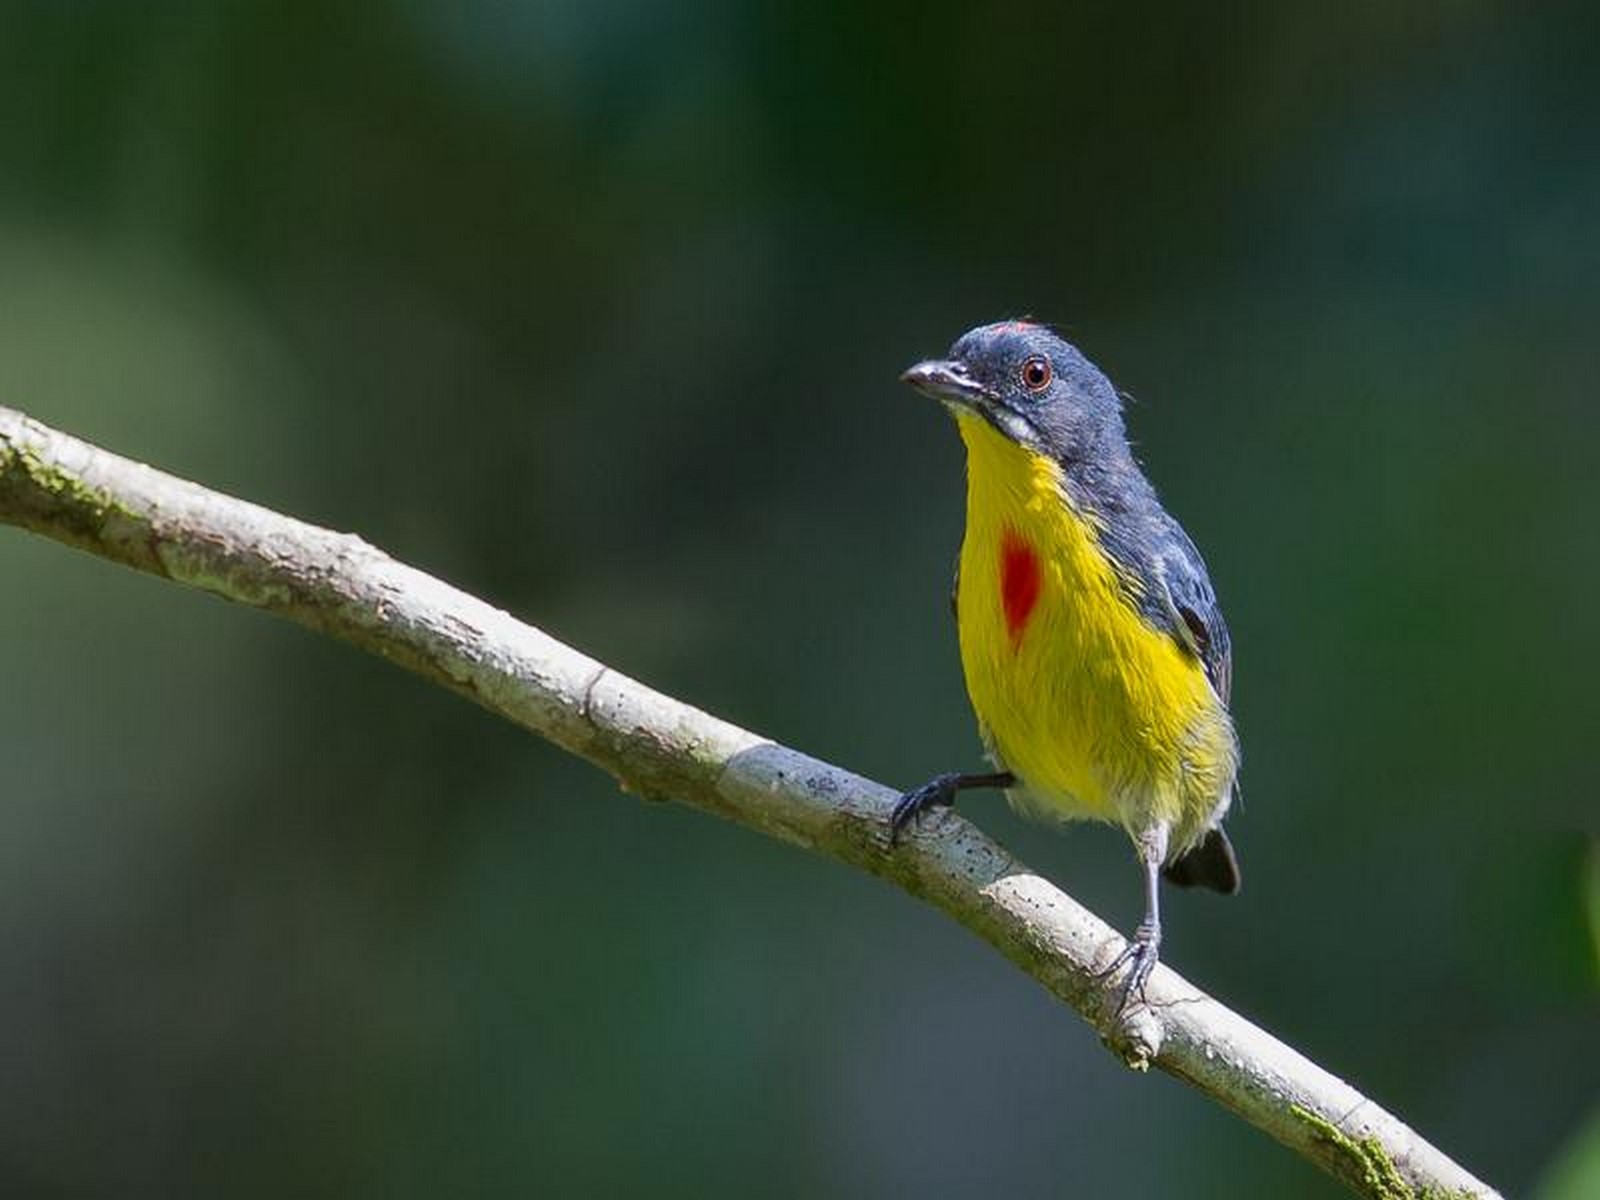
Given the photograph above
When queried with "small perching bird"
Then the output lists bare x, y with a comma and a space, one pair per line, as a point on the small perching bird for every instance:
1095, 654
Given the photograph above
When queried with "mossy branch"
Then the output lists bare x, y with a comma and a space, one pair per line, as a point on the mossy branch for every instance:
658, 747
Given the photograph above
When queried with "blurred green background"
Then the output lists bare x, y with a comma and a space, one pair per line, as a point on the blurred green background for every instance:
596, 309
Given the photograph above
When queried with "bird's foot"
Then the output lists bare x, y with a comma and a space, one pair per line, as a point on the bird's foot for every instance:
1140, 956
938, 792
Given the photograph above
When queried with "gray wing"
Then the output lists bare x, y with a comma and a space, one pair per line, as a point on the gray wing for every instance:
1193, 616
1195, 619
1163, 573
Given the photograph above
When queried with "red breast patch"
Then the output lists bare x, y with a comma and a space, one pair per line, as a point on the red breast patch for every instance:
1019, 582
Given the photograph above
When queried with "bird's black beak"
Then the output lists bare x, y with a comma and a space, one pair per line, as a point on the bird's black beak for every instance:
948, 381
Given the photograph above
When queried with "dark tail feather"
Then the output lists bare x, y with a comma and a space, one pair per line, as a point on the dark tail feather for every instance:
1211, 864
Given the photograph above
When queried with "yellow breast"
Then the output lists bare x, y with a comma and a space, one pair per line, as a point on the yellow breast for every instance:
1098, 713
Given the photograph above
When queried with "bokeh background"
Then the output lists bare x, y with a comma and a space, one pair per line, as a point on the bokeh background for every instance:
596, 309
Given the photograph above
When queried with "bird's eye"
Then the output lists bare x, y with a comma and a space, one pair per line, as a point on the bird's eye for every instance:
1036, 373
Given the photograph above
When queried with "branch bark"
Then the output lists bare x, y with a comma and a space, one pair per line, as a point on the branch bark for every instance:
661, 748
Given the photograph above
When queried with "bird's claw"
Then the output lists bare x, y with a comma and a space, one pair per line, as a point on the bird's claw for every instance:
938, 792
1140, 956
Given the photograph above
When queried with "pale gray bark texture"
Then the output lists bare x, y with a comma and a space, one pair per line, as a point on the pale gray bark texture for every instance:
660, 748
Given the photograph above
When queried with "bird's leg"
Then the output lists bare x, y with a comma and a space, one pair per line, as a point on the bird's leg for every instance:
940, 791
1144, 948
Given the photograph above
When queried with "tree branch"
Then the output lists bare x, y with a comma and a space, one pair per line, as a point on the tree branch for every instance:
660, 748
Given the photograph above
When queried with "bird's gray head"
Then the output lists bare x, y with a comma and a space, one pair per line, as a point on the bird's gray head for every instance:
1032, 386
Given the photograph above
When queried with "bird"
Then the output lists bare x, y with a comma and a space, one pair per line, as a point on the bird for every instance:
1094, 650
